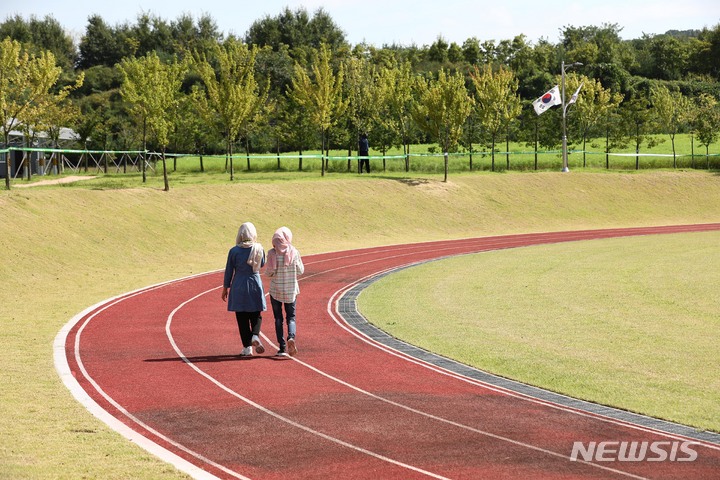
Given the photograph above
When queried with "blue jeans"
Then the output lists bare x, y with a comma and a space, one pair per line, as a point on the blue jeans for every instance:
277, 308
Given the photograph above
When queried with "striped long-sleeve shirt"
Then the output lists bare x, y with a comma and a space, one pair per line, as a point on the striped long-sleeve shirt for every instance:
283, 280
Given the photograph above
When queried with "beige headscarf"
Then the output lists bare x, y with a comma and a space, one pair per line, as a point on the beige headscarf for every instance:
247, 238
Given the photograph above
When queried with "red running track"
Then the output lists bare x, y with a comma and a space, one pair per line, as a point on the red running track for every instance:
160, 365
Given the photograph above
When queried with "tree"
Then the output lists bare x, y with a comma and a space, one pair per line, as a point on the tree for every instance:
636, 117
321, 96
442, 109
496, 101
101, 44
298, 131
55, 111
593, 104
707, 122
233, 94
361, 93
42, 34
671, 110
296, 30
24, 81
152, 89
394, 99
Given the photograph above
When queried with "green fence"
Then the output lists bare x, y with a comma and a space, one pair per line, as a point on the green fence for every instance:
26, 162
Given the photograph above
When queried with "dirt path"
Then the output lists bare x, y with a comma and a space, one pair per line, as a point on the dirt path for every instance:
53, 182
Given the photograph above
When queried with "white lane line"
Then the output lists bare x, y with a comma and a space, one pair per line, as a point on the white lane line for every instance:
63, 368
332, 310
81, 395
273, 414
372, 395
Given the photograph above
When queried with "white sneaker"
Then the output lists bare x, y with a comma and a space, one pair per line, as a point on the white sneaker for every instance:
246, 352
258, 344
291, 347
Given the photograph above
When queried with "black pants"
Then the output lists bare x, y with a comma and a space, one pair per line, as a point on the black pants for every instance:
365, 162
249, 324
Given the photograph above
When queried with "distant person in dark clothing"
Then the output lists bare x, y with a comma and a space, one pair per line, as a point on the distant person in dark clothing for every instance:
363, 153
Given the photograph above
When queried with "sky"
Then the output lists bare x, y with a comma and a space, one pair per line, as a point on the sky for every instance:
401, 22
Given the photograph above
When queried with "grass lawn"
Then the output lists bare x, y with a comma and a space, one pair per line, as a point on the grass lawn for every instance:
631, 323
67, 247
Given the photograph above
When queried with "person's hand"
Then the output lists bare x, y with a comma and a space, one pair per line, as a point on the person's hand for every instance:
224, 294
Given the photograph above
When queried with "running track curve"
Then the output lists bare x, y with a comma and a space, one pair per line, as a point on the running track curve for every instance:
160, 366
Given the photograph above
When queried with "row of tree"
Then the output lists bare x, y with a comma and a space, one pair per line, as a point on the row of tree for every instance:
293, 84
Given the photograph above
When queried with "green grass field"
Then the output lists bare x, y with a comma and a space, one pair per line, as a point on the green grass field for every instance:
67, 247
632, 323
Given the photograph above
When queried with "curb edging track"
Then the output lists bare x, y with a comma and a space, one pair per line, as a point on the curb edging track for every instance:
347, 309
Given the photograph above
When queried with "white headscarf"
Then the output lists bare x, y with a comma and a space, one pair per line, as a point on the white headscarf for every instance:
247, 238
282, 243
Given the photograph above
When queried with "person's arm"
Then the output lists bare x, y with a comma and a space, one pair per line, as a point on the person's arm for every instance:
271, 265
299, 268
227, 279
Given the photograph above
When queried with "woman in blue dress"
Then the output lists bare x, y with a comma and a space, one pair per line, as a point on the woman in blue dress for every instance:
243, 288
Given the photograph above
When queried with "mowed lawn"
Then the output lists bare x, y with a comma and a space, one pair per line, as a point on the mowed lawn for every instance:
632, 323
68, 247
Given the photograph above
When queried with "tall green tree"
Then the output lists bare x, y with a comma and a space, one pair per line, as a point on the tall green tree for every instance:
42, 34
320, 96
394, 100
442, 108
671, 111
102, 44
152, 88
24, 81
234, 96
298, 31
496, 101
361, 94
636, 117
707, 122
593, 104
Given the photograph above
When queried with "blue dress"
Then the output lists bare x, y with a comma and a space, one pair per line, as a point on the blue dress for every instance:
246, 288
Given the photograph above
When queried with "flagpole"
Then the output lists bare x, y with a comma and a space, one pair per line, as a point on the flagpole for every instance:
564, 107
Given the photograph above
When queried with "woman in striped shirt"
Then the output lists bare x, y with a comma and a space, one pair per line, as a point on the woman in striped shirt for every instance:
283, 267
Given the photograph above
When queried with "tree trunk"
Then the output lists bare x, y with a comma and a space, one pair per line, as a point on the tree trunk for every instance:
492, 154
672, 138
322, 155
232, 169
692, 150
165, 175
144, 155
471, 152
446, 167
607, 148
707, 155
277, 149
7, 161
247, 152
637, 146
507, 150
406, 150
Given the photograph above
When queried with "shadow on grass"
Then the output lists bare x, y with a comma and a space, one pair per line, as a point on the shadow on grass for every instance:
410, 182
